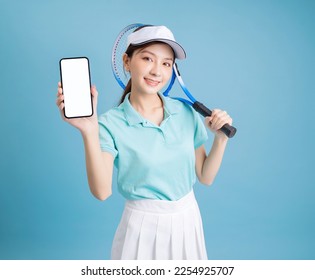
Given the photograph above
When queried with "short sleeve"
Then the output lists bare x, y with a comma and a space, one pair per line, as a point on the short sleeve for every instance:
200, 135
107, 141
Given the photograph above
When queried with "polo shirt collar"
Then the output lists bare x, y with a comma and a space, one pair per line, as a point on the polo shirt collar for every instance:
133, 117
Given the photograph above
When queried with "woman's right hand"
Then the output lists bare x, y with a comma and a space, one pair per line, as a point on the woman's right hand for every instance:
86, 125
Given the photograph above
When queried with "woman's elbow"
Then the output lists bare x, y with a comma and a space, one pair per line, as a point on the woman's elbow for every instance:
102, 196
206, 181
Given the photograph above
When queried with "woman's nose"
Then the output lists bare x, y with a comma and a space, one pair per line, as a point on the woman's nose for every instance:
155, 70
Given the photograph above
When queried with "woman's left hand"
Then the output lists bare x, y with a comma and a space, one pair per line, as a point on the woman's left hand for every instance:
218, 119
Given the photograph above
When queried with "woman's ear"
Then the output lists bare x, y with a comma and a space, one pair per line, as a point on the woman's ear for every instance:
126, 61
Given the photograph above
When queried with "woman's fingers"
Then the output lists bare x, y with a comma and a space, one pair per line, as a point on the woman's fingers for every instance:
94, 93
61, 106
218, 119
59, 90
60, 100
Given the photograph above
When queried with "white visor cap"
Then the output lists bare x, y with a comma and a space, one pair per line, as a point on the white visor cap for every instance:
161, 33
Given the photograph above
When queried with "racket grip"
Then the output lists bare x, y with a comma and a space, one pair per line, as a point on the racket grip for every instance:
227, 129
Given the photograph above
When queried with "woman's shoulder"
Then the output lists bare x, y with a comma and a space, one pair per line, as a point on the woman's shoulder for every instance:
177, 106
112, 115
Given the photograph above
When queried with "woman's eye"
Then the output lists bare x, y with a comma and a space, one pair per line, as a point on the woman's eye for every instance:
167, 64
147, 58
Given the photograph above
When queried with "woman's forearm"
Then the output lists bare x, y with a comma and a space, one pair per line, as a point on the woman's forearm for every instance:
213, 161
99, 167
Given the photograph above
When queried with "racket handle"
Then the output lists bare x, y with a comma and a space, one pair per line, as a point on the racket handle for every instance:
227, 129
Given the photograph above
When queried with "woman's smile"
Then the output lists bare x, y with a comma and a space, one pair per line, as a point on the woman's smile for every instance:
151, 82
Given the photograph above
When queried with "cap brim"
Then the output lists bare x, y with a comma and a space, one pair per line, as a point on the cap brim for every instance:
177, 48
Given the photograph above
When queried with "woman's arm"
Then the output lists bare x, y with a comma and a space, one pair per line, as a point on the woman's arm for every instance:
207, 166
99, 165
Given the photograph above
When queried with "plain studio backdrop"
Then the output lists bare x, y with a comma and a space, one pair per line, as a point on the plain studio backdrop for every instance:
254, 59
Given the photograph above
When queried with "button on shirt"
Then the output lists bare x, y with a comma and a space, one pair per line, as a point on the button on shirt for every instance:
153, 162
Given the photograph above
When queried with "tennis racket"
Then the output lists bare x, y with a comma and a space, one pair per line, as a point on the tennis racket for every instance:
227, 129
122, 77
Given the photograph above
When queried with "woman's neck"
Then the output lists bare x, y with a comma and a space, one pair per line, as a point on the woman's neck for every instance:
149, 106
145, 103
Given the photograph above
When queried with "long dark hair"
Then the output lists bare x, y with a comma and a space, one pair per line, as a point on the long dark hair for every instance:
130, 50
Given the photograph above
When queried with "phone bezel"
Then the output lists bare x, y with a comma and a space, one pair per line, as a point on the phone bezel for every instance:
89, 72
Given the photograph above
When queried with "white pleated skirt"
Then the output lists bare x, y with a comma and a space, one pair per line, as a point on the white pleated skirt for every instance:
160, 230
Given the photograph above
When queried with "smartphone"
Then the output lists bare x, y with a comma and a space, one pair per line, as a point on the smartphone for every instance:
76, 87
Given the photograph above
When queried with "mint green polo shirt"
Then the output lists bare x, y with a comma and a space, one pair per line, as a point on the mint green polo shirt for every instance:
153, 162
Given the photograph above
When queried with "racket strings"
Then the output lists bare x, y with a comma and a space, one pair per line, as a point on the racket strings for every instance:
118, 51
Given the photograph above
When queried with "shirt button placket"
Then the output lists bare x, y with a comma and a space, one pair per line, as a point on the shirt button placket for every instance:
162, 133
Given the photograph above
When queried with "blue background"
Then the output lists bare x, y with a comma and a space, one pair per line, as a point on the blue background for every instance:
254, 59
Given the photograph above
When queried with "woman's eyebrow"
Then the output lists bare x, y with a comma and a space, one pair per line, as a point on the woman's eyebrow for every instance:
146, 51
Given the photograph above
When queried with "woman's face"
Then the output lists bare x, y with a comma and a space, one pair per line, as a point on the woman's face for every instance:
150, 68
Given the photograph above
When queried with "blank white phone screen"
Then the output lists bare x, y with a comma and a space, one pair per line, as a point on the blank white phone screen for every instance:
75, 78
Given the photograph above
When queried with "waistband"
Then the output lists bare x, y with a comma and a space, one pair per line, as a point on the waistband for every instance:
163, 206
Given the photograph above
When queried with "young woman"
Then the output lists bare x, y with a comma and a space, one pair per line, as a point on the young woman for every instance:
157, 145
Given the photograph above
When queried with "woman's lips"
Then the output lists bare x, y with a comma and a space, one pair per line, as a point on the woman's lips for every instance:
151, 82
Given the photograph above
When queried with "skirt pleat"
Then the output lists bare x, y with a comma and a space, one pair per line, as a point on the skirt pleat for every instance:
160, 230
131, 240
119, 240
147, 238
163, 238
200, 242
177, 238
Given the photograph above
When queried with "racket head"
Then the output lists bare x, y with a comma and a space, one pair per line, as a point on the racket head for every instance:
119, 48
